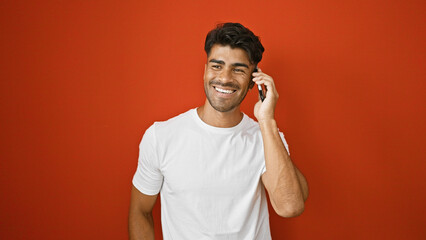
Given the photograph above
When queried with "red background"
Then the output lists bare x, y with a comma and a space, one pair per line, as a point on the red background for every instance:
82, 80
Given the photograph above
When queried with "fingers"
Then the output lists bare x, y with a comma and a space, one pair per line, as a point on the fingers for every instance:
262, 78
266, 80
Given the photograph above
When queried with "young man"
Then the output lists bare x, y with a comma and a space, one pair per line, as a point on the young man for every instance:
212, 163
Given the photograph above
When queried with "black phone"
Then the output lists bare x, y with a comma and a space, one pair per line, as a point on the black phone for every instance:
261, 94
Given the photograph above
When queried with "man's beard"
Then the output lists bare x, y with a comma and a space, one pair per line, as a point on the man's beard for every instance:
223, 106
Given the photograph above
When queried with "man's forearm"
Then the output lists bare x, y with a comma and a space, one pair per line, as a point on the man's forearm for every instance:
141, 226
287, 188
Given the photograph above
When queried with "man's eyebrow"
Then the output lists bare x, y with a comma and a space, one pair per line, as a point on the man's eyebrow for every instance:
234, 64
217, 61
240, 65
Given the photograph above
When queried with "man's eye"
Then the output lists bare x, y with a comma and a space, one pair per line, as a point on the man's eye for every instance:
239, 70
216, 66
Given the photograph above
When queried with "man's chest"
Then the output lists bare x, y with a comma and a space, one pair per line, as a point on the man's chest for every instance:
226, 165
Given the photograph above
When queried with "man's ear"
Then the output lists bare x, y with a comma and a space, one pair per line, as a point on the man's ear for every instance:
251, 84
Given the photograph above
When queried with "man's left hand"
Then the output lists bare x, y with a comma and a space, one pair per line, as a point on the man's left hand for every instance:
265, 110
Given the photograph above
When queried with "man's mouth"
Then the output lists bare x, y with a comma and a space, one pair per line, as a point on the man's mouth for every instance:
225, 91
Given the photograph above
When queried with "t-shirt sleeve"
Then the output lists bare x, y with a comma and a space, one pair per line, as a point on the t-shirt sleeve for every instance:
285, 143
148, 178
286, 147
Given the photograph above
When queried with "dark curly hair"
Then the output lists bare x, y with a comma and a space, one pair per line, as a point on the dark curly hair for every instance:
236, 36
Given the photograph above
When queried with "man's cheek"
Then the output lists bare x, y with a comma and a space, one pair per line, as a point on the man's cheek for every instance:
209, 77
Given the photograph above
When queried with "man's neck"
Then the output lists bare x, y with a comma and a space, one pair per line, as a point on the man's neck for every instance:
215, 118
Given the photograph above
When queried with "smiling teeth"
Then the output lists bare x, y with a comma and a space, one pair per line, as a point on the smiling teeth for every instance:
223, 90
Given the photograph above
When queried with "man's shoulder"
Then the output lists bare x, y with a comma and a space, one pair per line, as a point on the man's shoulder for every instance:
251, 124
174, 123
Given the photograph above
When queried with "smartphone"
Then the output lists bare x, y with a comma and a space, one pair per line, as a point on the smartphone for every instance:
261, 94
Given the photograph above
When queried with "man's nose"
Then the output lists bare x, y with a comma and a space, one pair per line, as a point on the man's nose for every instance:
225, 75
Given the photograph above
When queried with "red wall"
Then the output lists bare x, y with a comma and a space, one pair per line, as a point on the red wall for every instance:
82, 80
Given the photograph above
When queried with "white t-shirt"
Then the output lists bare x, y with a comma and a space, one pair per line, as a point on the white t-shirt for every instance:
209, 178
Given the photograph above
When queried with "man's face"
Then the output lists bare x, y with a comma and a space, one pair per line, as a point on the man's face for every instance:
227, 77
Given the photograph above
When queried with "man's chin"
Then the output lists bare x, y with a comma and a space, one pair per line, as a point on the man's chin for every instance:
223, 110
222, 107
